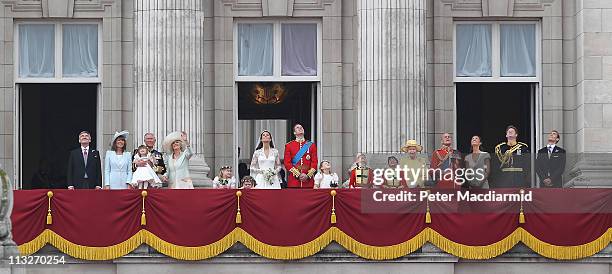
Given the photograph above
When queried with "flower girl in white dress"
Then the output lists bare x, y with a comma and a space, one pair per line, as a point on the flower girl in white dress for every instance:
325, 179
265, 165
144, 176
225, 178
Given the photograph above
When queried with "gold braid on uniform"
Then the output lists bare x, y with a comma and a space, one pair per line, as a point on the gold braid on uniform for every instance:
505, 157
311, 172
295, 172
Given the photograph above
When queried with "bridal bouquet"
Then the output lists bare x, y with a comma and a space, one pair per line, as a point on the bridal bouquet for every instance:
269, 175
223, 182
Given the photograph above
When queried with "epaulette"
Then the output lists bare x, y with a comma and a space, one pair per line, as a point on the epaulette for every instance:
500, 144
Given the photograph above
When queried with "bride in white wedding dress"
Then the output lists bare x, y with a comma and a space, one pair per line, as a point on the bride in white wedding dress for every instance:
265, 165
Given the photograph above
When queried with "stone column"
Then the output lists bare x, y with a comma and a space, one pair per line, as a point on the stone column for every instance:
7, 245
391, 99
169, 74
593, 101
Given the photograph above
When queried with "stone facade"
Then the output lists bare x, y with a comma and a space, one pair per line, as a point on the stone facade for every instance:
372, 78
366, 72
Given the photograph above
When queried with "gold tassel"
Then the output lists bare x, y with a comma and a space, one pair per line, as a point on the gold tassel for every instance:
49, 217
333, 214
143, 217
427, 214
238, 215
521, 214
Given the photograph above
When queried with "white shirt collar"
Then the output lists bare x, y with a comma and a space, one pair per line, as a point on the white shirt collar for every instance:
85, 148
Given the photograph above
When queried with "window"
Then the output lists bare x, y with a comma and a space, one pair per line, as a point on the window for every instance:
496, 51
37, 50
80, 51
57, 51
473, 50
299, 49
279, 50
517, 50
255, 49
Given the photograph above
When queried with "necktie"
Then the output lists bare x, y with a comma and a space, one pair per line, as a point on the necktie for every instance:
85, 156
550, 149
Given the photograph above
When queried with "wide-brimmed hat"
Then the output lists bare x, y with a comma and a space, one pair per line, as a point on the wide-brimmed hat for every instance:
123, 134
171, 138
411, 143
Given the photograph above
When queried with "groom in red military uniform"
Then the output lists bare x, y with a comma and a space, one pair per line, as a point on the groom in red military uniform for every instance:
300, 160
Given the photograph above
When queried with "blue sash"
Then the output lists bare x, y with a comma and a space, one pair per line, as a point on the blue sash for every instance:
301, 152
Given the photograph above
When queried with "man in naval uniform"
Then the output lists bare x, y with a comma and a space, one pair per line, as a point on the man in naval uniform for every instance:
512, 162
300, 160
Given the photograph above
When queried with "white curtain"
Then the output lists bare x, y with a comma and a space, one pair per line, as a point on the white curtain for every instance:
517, 50
473, 56
80, 50
255, 49
299, 54
36, 50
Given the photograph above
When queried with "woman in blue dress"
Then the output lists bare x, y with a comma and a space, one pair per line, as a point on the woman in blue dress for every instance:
118, 163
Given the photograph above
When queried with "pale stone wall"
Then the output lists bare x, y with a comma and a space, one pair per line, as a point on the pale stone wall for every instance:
593, 99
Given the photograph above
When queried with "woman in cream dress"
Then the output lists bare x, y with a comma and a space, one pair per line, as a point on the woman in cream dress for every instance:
178, 152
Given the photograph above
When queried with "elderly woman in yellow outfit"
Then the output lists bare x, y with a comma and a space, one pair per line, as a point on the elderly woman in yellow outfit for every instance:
416, 166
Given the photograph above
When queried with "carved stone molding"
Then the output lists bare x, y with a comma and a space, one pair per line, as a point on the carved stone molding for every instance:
23, 5
56, 8
277, 7
590, 170
498, 8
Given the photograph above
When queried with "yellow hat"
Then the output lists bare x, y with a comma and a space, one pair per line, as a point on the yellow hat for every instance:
411, 143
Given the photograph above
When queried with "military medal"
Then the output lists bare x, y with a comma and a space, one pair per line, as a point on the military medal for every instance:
308, 157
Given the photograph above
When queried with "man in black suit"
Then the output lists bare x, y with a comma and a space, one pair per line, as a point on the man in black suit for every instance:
84, 169
550, 164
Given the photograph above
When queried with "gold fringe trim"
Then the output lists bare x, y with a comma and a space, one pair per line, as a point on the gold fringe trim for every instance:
308, 249
380, 252
191, 253
474, 252
566, 252
79, 251
287, 252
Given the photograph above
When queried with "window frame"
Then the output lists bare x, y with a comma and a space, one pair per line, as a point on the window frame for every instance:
496, 53
58, 55
277, 51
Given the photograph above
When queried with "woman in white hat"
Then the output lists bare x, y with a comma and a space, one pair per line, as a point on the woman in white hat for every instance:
179, 152
118, 163
416, 165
